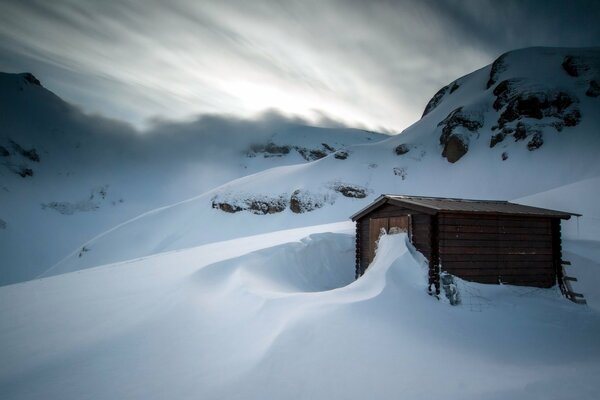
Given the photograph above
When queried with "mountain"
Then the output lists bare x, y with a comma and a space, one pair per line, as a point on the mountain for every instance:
66, 176
241, 292
528, 123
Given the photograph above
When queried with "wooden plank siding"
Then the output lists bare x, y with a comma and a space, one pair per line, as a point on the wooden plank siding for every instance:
420, 232
497, 249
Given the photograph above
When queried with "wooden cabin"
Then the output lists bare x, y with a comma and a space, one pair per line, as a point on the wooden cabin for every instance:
477, 240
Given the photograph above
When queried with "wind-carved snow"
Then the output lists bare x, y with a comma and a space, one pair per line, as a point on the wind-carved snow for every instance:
279, 316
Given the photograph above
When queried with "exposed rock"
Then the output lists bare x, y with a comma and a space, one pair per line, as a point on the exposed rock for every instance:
401, 172
574, 66
328, 147
497, 138
498, 66
29, 78
341, 155
504, 156
83, 250
3, 224
24, 172
456, 147
456, 127
454, 87
256, 204
304, 201
536, 142
593, 89
522, 100
30, 154
269, 150
4, 152
311, 154
435, 100
402, 149
351, 190
460, 118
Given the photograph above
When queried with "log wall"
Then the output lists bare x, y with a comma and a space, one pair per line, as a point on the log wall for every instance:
498, 249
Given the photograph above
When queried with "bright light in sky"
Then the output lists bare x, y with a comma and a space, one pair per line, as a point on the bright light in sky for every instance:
373, 64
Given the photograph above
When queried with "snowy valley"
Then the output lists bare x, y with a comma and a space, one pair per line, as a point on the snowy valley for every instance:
215, 259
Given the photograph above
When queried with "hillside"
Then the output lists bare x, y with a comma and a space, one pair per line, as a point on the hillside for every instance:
66, 177
526, 124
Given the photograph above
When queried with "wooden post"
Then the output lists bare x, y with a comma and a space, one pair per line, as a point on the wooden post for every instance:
357, 268
434, 262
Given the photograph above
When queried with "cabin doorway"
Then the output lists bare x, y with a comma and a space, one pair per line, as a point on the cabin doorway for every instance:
375, 226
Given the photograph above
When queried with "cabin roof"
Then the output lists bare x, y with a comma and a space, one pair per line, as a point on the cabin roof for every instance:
434, 205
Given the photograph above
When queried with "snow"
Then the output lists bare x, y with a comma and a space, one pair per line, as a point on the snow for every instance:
278, 316
164, 296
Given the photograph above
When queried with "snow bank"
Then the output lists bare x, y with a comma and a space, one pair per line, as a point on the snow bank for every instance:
256, 318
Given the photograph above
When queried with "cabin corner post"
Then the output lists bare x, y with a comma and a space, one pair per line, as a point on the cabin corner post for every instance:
357, 269
434, 262
557, 253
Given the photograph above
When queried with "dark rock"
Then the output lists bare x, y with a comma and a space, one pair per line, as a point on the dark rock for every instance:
257, 205
521, 131
303, 201
262, 207
454, 87
536, 142
593, 89
3, 224
401, 172
456, 147
351, 190
459, 118
572, 118
341, 155
498, 66
328, 147
435, 100
4, 152
402, 149
497, 138
504, 156
30, 154
25, 172
534, 104
505, 91
311, 154
574, 66
29, 78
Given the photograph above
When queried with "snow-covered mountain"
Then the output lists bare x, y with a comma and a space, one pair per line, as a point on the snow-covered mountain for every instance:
528, 123
249, 296
66, 177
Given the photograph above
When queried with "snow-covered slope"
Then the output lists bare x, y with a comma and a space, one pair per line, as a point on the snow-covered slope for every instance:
253, 318
66, 177
526, 124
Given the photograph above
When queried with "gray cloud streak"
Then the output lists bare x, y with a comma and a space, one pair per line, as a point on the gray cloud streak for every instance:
372, 63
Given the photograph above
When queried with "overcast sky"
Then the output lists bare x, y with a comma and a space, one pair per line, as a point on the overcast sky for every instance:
366, 63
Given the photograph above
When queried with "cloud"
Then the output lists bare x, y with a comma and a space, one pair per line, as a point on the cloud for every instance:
374, 64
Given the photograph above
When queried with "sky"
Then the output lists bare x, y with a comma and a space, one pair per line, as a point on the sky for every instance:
369, 64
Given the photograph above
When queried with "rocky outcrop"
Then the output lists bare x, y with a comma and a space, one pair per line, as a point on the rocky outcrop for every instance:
536, 141
30, 154
341, 155
256, 204
29, 78
498, 66
402, 149
350, 190
456, 128
303, 201
574, 66
435, 100
594, 89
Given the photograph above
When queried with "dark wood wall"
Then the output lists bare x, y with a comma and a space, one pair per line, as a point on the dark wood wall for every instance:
494, 248
420, 233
